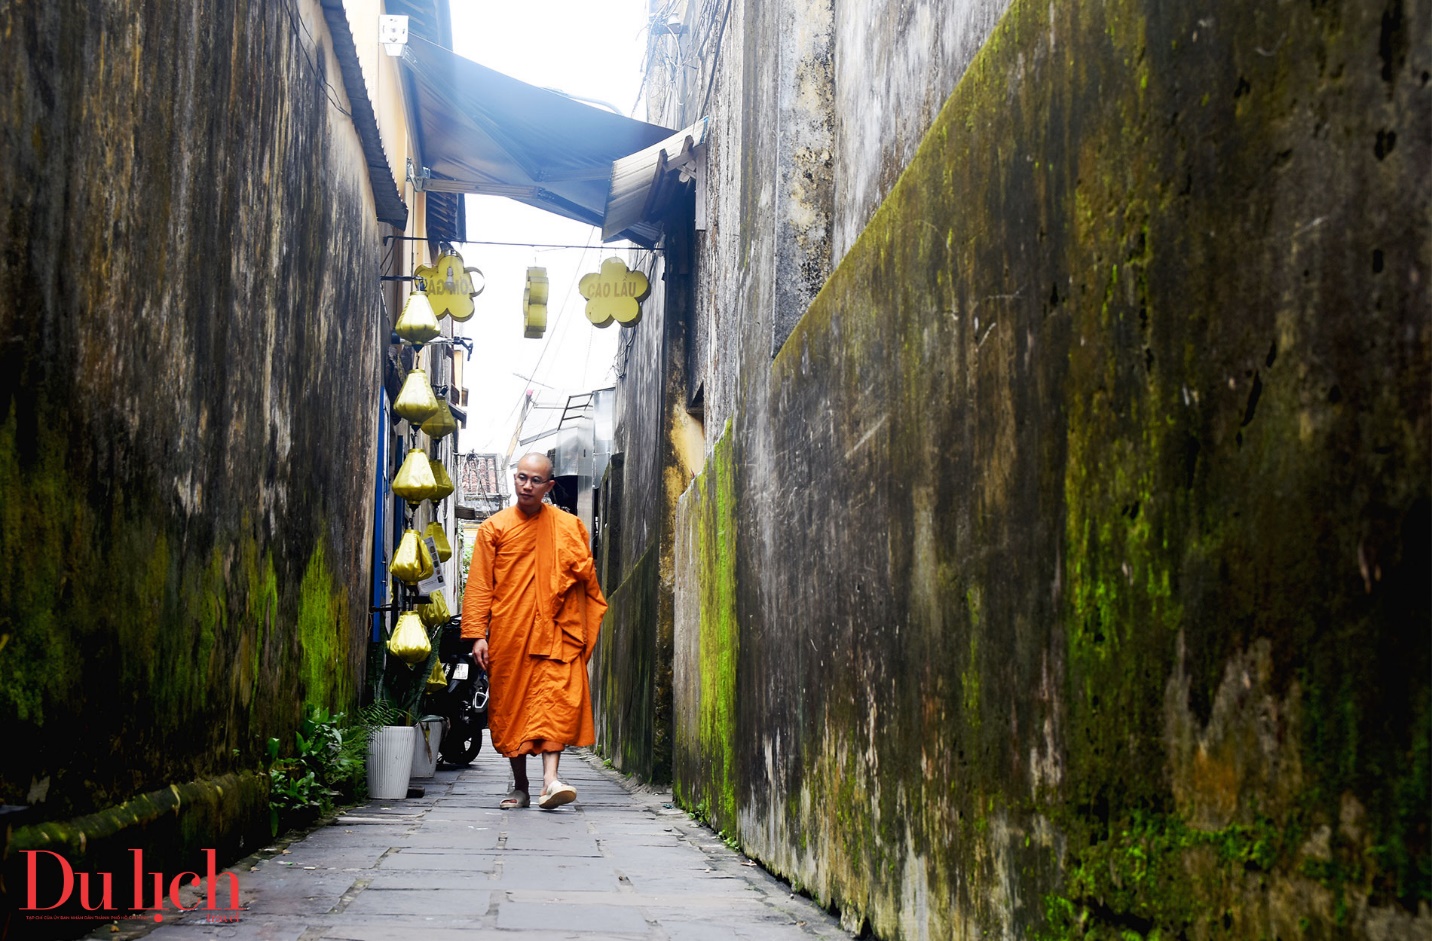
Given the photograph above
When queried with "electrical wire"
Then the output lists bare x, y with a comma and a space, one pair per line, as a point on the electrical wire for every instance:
552, 337
296, 25
716, 58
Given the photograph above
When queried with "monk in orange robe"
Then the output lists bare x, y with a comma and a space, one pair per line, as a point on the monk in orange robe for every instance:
532, 608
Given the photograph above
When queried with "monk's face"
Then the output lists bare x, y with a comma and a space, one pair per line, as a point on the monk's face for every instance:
532, 482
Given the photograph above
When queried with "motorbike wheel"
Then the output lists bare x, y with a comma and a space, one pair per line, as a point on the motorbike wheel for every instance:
463, 741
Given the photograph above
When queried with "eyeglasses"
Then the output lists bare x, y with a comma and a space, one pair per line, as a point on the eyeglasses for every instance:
534, 481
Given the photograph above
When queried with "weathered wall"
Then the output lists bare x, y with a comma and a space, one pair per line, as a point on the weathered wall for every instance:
187, 345
895, 63
631, 667
708, 645
816, 106
1081, 527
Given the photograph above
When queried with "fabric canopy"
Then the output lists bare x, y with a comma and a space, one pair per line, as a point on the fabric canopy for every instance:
485, 132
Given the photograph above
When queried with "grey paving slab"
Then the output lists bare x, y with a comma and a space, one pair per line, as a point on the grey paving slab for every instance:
611, 919
430, 901
555, 874
392, 931
696, 882
474, 879
438, 863
618, 864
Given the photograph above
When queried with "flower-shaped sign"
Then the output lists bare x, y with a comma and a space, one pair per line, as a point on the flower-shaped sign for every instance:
614, 293
450, 287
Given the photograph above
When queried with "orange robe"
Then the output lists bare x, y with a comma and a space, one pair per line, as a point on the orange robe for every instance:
532, 591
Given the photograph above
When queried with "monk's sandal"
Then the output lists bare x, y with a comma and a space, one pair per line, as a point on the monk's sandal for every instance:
516, 799
557, 795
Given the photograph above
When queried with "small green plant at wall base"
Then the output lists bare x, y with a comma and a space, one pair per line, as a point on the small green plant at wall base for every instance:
329, 767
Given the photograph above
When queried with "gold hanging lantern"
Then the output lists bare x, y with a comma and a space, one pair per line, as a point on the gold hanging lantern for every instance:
439, 537
416, 401
440, 423
442, 482
415, 482
411, 562
417, 324
436, 610
409, 642
437, 680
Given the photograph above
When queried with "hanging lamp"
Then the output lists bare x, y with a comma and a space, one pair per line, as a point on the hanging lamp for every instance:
410, 642
417, 324
416, 401
440, 423
534, 304
410, 560
442, 482
414, 481
436, 610
440, 540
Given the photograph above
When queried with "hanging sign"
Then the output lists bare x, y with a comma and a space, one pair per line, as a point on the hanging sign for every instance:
534, 304
614, 293
449, 286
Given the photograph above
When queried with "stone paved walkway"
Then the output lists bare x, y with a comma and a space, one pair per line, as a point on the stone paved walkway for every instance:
617, 864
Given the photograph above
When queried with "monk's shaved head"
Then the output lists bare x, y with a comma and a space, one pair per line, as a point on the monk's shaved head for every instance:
532, 481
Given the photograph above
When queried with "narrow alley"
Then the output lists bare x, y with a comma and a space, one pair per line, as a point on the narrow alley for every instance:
621, 862
959, 469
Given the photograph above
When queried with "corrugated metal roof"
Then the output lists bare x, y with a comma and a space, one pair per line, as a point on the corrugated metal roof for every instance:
645, 183
485, 132
431, 19
390, 206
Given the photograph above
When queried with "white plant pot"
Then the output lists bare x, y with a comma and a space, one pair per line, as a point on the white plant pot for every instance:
390, 762
427, 735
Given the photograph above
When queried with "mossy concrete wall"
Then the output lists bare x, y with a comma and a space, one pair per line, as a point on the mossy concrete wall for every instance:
708, 645
188, 329
1081, 527
631, 667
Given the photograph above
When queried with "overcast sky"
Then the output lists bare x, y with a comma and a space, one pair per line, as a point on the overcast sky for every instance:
588, 48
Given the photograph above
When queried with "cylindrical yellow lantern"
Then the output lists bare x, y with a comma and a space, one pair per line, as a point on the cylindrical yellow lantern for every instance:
416, 401
415, 482
417, 324
534, 303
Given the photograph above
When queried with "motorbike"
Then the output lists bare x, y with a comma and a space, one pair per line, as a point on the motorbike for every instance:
463, 702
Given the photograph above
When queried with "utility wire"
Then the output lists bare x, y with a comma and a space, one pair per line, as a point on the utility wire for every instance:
296, 25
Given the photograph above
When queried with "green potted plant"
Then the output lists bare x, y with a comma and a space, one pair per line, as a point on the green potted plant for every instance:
410, 654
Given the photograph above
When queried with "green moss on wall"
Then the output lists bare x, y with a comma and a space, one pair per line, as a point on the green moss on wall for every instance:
708, 784
1101, 608
183, 475
322, 605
